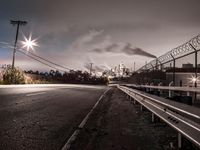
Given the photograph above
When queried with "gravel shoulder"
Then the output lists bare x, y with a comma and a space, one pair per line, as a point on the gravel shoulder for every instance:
118, 124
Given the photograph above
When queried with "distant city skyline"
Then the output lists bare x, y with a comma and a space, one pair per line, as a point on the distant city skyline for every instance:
74, 33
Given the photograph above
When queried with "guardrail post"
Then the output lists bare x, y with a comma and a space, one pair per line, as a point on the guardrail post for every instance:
188, 93
170, 93
179, 141
152, 117
160, 91
141, 107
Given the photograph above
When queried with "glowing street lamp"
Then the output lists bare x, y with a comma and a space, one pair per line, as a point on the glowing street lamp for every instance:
194, 80
29, 43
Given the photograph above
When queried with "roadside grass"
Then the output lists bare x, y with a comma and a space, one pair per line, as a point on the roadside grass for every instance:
31, 82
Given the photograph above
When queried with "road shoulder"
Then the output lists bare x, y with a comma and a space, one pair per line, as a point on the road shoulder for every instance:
118, 124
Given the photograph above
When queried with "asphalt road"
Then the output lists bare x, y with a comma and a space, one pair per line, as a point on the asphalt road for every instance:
43, 117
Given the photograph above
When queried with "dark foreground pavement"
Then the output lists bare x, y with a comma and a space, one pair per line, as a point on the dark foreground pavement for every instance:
43, 117
118, 124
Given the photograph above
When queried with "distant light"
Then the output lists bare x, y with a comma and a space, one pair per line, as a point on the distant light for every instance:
110, 77
193, 79
28, 43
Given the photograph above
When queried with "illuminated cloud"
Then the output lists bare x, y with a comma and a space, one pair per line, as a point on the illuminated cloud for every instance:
69, 30
83, 40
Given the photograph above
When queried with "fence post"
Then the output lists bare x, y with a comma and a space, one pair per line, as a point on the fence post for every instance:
170, 92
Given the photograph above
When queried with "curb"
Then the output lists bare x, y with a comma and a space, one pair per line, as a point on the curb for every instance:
82, 124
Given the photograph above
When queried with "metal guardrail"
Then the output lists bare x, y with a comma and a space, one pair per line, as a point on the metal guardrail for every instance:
172, 88
183, 118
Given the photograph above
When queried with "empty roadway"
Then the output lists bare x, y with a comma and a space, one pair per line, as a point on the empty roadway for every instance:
43, 116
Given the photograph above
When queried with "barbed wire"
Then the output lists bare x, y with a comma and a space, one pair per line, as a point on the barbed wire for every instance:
183, 50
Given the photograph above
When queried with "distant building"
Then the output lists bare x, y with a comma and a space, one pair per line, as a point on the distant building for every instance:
188, 65
118, 71
121, 70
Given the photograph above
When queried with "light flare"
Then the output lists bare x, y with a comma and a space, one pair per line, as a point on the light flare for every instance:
194, 79
29, 43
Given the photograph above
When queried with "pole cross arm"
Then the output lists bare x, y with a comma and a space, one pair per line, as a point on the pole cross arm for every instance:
15, 22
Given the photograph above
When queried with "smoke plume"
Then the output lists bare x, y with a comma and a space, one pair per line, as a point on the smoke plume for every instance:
136, 51
126, 49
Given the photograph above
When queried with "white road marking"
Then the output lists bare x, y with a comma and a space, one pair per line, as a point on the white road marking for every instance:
50, 86
33, 94
82, 124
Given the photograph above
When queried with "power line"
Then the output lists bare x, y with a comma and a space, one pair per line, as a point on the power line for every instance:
46, 60
40, 61
22, 51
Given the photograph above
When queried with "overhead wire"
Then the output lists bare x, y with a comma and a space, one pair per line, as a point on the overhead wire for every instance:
45, 59
22, 51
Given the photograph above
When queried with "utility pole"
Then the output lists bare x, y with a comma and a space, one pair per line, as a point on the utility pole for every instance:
134, 67
91, 68
18, 23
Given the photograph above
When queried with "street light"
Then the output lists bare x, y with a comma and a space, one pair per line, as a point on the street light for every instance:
194, 80
18, 23
28, 43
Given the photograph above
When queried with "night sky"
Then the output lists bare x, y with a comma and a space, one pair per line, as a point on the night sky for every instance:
104, 32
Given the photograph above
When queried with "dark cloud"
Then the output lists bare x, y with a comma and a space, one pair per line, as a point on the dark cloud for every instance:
97, 50
127, 49
136, 51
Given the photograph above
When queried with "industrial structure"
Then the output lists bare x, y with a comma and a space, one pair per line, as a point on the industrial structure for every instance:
171, 57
